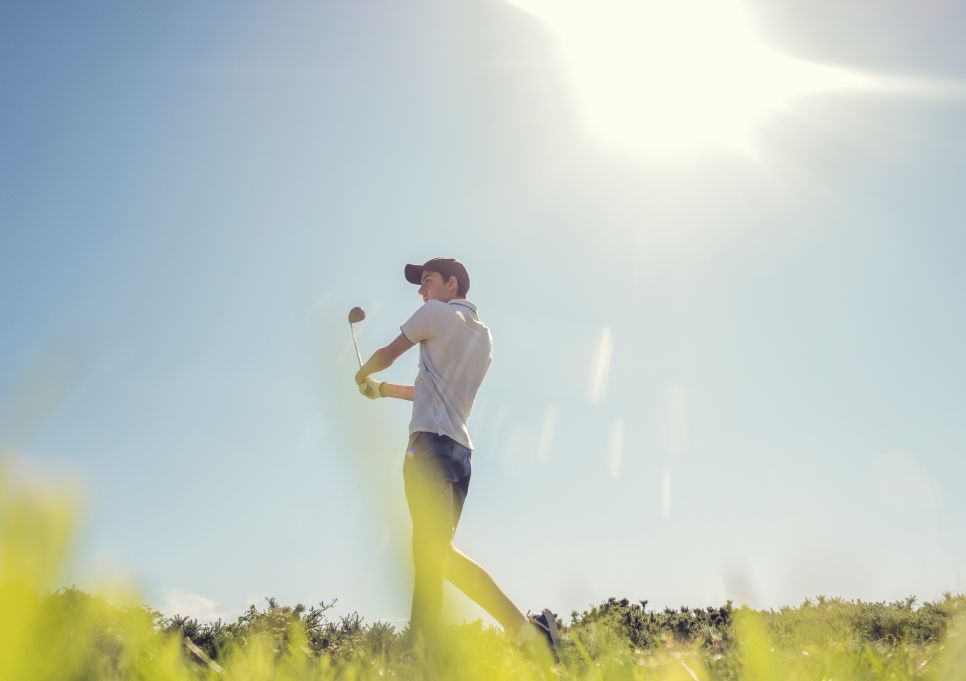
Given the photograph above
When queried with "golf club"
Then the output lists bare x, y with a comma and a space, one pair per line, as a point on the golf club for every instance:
356, 314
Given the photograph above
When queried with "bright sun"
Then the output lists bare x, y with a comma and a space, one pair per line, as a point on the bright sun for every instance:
674, 75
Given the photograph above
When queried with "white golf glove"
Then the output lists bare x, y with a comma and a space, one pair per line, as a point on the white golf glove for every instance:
370, 388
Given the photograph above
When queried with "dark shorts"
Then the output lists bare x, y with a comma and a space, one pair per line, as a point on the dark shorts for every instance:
436, 473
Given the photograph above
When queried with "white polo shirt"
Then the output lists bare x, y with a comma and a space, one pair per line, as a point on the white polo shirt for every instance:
455, 349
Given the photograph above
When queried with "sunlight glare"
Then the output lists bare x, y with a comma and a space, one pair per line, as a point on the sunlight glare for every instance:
675, 76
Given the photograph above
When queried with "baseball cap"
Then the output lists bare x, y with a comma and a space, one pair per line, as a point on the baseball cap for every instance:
448, 267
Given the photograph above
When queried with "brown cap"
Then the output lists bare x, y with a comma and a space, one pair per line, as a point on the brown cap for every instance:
447, 267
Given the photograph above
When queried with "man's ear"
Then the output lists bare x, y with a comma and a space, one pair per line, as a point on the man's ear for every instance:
455, 286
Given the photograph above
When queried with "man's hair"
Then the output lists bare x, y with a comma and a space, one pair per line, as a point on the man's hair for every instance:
460, 293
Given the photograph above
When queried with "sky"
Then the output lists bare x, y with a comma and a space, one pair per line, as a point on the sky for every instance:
720, 255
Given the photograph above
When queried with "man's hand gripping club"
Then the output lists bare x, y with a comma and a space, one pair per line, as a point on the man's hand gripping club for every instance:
371, 388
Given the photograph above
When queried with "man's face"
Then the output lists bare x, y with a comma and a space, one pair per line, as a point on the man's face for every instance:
434, 288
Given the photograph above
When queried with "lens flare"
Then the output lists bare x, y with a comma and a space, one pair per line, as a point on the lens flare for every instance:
600, 366
546, 433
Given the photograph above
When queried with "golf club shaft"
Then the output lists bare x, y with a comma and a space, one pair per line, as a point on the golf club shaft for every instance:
356, 344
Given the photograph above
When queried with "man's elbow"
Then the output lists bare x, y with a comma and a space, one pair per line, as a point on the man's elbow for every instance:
392, 351
385, 356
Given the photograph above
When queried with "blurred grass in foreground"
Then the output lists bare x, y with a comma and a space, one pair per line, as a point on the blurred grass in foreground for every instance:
64, 634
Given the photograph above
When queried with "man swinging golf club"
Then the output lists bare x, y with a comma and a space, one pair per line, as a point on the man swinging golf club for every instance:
454, 353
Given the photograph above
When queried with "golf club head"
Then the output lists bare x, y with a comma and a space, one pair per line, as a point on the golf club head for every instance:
356, 314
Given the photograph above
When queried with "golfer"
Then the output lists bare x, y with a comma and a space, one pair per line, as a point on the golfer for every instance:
455, 349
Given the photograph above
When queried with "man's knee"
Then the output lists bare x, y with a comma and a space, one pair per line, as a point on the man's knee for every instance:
438, 547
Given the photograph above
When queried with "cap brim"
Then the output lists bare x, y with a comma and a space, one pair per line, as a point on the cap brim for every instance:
414, 274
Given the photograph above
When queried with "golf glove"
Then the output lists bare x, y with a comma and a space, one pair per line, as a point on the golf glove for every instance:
370, 388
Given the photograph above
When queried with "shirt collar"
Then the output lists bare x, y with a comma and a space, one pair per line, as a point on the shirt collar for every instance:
462, 302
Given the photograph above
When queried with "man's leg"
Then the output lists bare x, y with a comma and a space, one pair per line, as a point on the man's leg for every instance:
470, 578
476, 583
435, 504
429, 556
430, 499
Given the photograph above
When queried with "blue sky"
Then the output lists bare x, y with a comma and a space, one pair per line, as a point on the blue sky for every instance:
716, 374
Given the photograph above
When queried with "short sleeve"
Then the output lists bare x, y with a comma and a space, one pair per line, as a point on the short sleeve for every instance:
419, 327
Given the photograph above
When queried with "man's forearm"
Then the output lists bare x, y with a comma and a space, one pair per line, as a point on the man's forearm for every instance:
376, 363
383, 358
400, 392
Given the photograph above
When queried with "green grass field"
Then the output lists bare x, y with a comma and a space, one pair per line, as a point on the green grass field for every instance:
52, 633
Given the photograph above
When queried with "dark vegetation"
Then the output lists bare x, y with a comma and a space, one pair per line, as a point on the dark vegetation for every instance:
819, 621
621, 623
71, 635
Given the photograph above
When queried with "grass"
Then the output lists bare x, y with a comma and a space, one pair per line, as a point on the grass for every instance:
51, 633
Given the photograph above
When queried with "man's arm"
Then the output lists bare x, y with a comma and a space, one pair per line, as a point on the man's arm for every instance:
383, 358
400, 392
